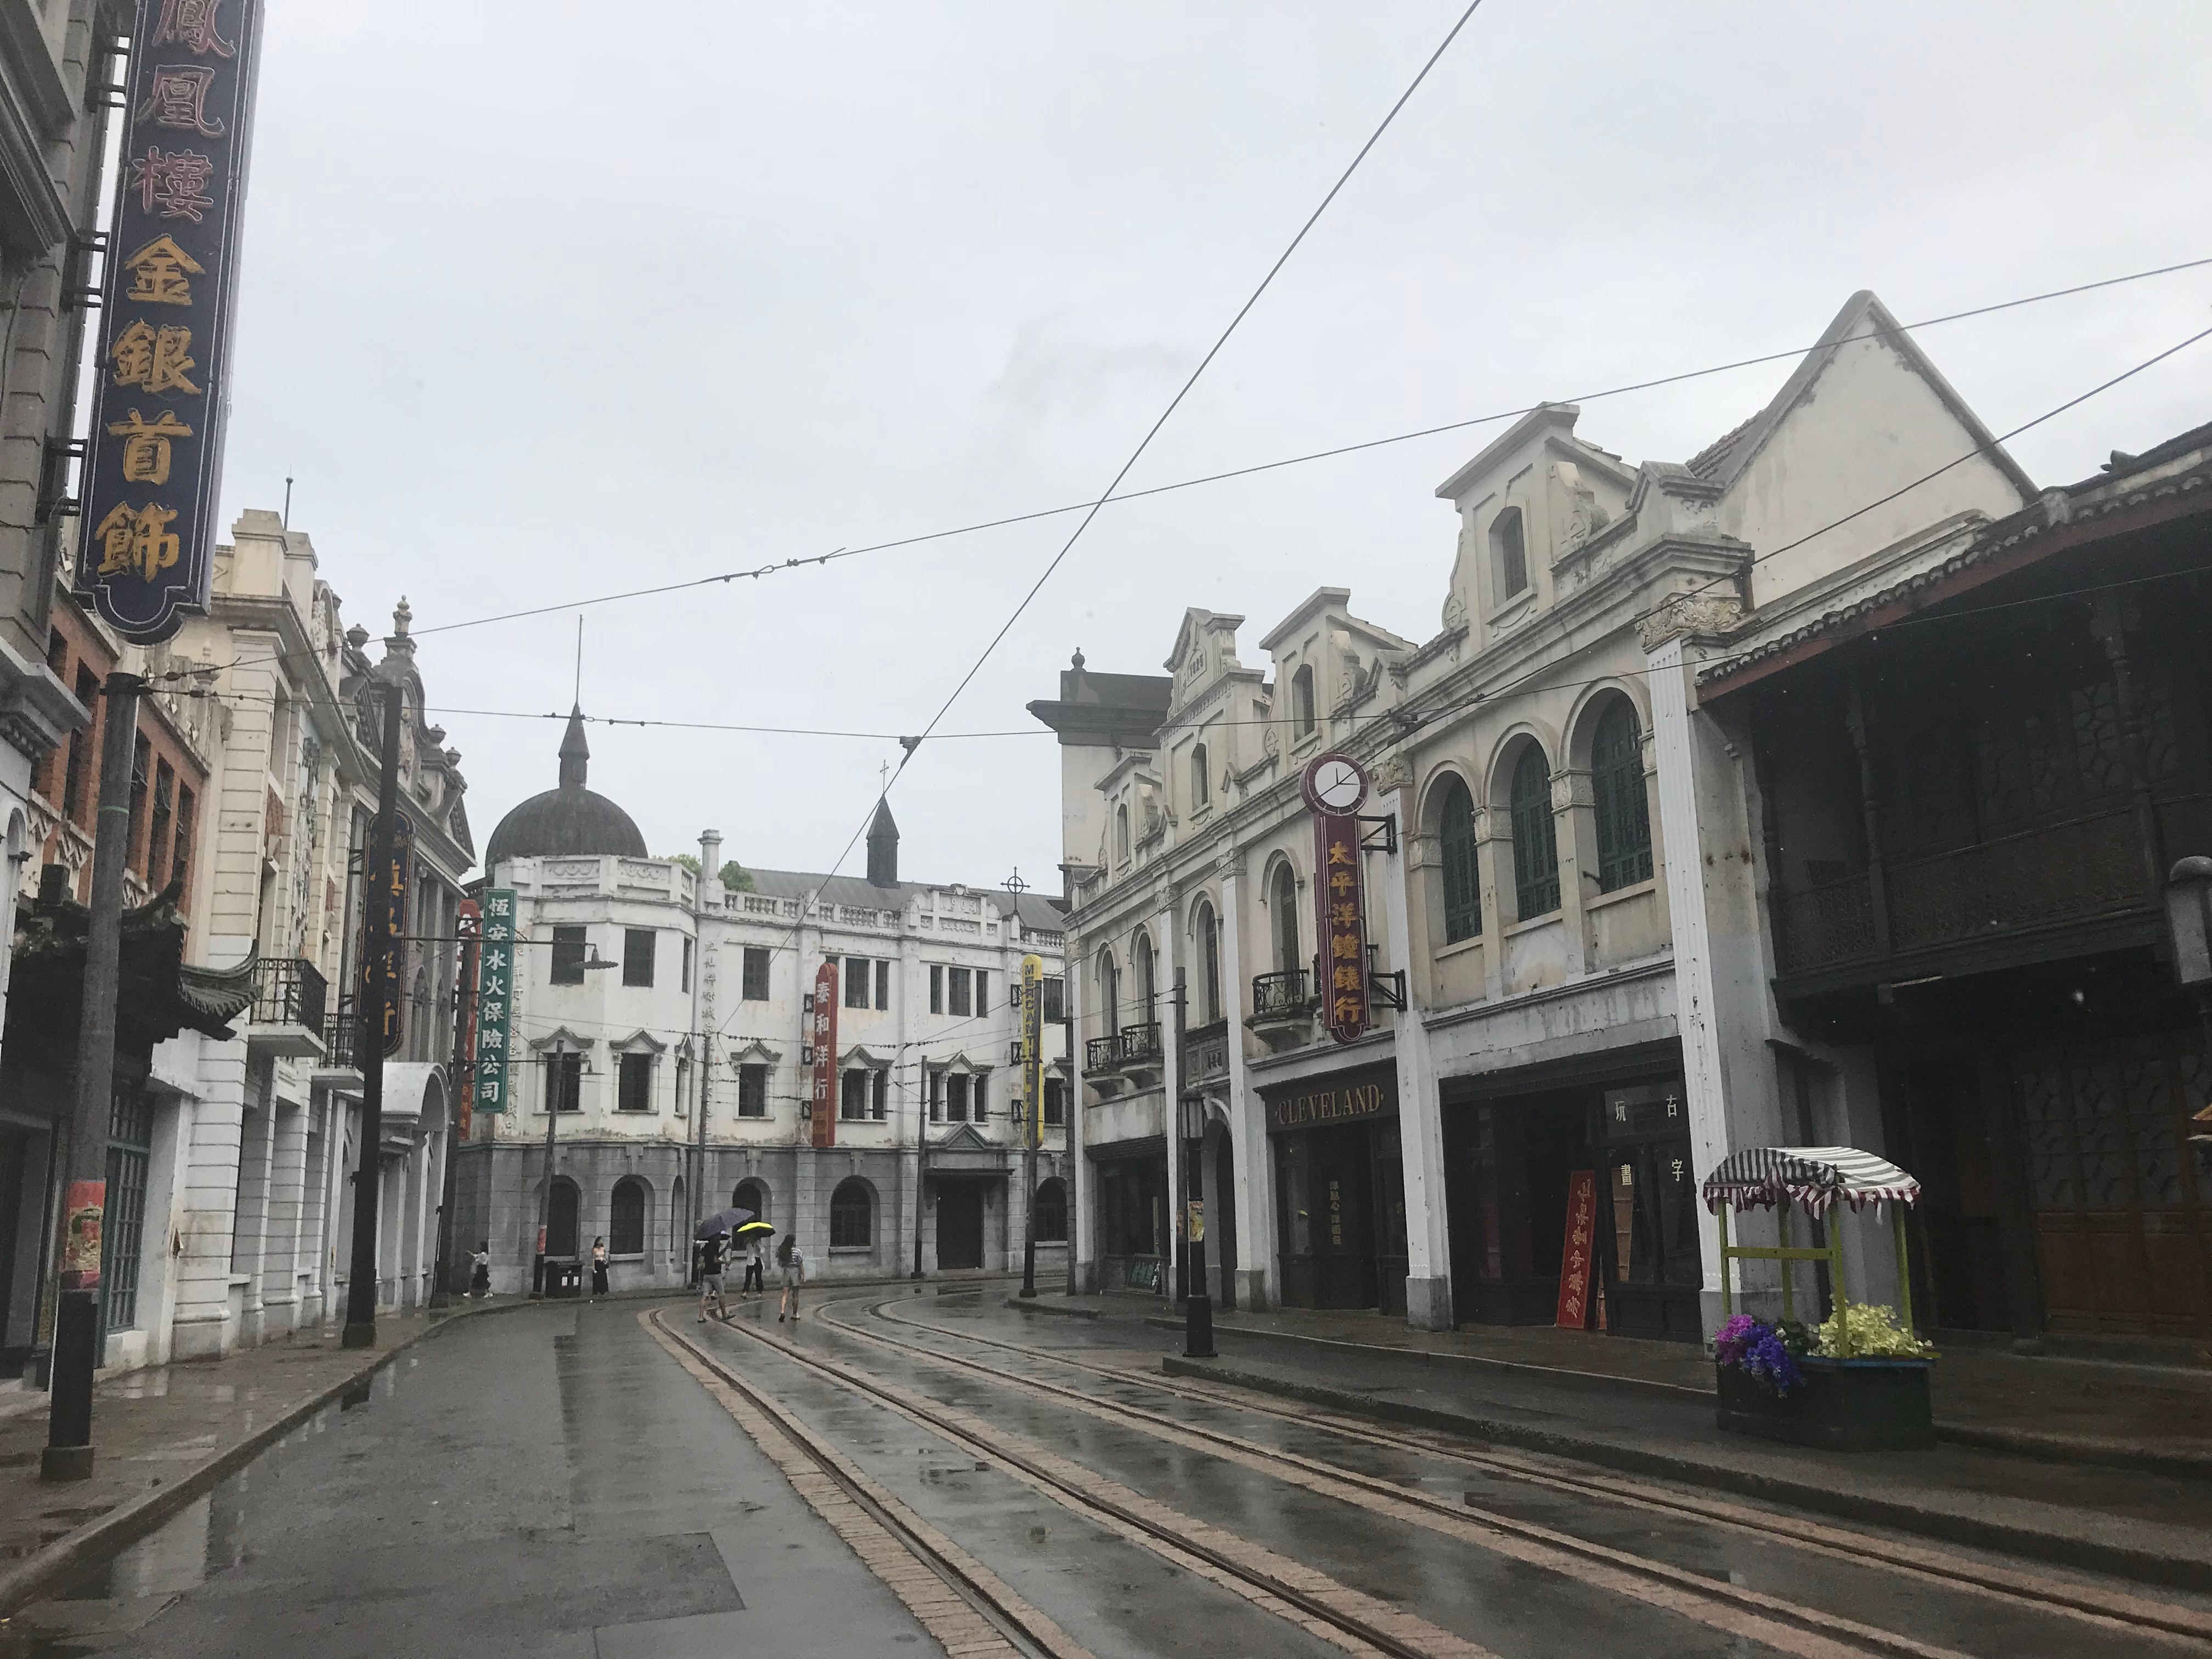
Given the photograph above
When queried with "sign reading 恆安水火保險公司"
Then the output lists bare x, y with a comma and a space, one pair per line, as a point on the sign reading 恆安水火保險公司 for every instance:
154, 460
495, 998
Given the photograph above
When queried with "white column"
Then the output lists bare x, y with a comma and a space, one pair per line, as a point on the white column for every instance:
1420, 1113
280, 1252
202, 1327
249, 1242
1082, 1173
1163, 1011
1258, 1281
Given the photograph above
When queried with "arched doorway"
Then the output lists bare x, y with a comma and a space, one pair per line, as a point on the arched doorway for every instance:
750, 1195
561, 1218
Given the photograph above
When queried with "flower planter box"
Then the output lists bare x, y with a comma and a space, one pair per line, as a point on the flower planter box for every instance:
1842, 1405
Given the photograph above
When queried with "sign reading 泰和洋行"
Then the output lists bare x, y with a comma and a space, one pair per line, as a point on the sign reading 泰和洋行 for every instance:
822, 1036
1033, 1046
494, 1011
154, 459
1577, 1250
1338, 1101
386, 1001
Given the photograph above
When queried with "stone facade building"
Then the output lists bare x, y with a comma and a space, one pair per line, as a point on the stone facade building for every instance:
682, 1071
1569, 882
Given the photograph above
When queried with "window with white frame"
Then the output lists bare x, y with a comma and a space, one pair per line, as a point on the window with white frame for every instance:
752, 1091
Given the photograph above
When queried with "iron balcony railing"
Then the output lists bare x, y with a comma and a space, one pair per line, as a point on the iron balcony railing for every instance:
287, 991
1276, 995
1132, 1045
340, 1033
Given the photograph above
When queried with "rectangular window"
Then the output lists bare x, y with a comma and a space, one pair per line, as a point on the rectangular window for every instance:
80, 750
755, 978
976, 1088
683, 1088
1055, 999
883, 985
567, 956
960, 1001
854, 1103
752, 1091
180, 849
129, 1148
687, 966
856, 981
956, 1098
879, 1094
157, 837
936, 989
564, 1083
637, 956
137, 860
983, 992
634, 1084
1056, 1102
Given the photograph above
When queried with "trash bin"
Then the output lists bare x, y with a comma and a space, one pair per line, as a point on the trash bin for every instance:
564, 1278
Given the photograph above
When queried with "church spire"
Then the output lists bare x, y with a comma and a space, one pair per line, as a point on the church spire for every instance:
883, 847
575, 753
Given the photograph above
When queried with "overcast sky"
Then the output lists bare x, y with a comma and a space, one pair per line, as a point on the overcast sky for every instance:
547, 298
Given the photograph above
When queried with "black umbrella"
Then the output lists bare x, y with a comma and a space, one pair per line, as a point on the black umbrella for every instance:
728, 1221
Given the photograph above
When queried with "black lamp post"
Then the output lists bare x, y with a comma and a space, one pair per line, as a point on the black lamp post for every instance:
1198, 1305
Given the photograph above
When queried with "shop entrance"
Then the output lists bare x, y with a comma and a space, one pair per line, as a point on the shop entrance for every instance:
959, 1224
1340, 1193
1648, 1253
1133, 1222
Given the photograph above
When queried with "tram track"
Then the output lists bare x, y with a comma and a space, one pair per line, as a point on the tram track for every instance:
2173, 1626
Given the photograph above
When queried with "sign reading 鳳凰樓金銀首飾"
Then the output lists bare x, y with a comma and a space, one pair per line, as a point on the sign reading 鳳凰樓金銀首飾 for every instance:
494, 999
154, 463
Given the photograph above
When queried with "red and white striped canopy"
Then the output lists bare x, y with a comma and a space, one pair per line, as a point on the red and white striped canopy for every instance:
1814, 1176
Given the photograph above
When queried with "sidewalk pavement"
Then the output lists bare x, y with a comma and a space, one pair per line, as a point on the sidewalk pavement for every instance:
2099, 1466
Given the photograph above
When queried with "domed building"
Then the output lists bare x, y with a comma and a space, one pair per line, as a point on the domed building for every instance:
567, 820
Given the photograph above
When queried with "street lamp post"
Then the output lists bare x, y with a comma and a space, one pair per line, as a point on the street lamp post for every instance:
1190, 1114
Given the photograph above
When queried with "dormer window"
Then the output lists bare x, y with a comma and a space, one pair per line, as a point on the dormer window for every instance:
1122, 833
1198, 783
1302, 700
1509, 553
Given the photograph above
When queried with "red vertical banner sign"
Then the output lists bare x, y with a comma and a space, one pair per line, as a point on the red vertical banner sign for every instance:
1579, 1250
822, 1036
1341, 906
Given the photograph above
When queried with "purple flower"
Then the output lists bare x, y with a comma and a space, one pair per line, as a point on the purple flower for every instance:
1755, 1347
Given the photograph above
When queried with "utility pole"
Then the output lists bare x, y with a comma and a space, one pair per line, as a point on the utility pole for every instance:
1190, 1114
69, 1453
556, 1091
368, 1030
461, 1078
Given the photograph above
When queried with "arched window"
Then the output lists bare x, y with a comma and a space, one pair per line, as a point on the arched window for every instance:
852, 1215
561, 1218
750, 1195
1624, 812
1462, 884
1206, 933
1110, 993
1122, 833
1140, 958
1052, 1211
1302, 700
1283, 901
1509, 553
626, 1217
1535, 844
1198, 785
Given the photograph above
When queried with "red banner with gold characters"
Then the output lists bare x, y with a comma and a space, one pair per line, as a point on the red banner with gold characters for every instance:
85, 1211
1343, 926
822, 1037
1579, 1250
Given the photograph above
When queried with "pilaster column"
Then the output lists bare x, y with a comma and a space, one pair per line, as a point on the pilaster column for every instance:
1420, 1113
249, 1245
279, 1255
1162, 1010
1082, 1172
202, 1326
1258, 1284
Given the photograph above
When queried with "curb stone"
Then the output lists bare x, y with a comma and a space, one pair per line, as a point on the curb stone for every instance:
1041, 1306
2144, 1566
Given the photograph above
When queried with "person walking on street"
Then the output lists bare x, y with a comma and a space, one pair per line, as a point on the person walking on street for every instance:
794, 1272
598, 1266
480, 1275
757, 1268
714, 1255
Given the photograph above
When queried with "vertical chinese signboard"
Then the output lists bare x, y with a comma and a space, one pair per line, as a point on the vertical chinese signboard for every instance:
1334, 786
494, 999
822, 1037
387, 1003
1577, 1250
155, 461
1033, 1045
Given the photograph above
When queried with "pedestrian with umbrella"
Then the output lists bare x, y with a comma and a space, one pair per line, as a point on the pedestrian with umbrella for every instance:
713, 1238
752, 1237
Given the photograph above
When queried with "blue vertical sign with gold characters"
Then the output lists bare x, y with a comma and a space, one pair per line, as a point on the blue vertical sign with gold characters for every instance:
155, 463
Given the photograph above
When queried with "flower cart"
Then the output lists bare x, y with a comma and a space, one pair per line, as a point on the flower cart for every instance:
1855, 1382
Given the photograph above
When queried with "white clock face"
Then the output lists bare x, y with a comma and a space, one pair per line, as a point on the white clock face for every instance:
1337, 785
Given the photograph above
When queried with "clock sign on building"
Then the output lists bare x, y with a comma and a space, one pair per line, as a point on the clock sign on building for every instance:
1335, 788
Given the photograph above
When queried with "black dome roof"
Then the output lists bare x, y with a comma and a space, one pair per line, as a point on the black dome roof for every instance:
570, 820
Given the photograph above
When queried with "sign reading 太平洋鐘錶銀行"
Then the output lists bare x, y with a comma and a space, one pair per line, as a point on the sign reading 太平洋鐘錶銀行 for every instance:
154, 461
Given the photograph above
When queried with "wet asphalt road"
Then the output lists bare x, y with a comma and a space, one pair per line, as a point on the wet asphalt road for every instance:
550, 1482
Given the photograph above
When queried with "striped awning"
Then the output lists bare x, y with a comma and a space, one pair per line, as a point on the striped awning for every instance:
1814, 1176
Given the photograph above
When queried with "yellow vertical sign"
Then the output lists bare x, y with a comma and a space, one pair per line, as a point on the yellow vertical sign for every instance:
1033, 1044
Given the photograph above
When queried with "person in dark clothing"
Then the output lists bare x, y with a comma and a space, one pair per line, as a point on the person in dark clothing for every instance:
598, 1266
713, 1257
480, 1276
